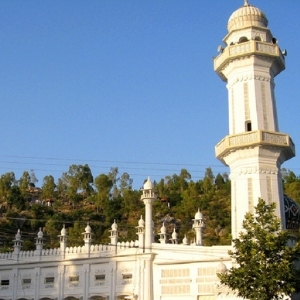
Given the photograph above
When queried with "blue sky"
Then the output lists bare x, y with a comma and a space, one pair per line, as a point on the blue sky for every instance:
126, 84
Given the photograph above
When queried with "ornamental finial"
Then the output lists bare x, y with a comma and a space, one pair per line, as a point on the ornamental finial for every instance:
246, 3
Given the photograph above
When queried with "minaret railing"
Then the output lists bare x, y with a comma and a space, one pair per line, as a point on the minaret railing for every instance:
248, 48
252, 138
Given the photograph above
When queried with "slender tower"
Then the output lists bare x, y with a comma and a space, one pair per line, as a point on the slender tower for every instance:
255, 148
148, 197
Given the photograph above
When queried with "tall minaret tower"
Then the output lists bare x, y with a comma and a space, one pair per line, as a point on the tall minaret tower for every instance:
254, 149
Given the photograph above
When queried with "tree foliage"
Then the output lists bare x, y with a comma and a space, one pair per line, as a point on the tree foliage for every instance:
265, 265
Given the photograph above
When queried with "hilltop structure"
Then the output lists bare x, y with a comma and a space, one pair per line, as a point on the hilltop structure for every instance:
173, 269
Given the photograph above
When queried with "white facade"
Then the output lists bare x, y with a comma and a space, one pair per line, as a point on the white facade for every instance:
142, 269
134, 270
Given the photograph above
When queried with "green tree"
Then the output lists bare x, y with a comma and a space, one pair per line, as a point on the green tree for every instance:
265, 265
7, 181
16, 199
208, 180
24, 185
125, 182
103, 186
113, 176
48, 187
79, 181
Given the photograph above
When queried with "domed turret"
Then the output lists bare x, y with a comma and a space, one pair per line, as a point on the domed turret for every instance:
63, 240
40, 234
114, 226
163, 234
114, 233
17, 244
246, 16
63, 231
163, 229
141, 222
198, 215
198, 226
18, 235
39, 242
88, 228
87, 238
221, 268
185, 240
174, 236
148, 185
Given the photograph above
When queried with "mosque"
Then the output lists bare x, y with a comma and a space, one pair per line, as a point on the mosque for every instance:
171, 269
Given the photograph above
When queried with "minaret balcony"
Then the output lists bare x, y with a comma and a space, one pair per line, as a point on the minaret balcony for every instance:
255, 138
248, 48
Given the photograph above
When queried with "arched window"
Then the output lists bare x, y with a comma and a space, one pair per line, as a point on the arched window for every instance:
243, 39
257, 38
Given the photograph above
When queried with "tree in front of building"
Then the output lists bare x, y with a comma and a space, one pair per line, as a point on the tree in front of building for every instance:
266, 267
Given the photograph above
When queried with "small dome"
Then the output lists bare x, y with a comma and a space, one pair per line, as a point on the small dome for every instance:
63, 231
198, 215
40, 233
114, 226
148, 185
292, 213
185, 240
163, 229
88, 228
221, 268
18, 235
174, 234
141, 222
245, 16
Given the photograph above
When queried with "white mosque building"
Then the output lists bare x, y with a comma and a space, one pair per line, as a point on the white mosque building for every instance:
172, 269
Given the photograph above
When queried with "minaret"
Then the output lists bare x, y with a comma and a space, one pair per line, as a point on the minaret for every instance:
114, 234
87, 238
148, 197
63, 240
174, 239
17, 245
39, 243
198, 226
141, 233
163, 234
254, 149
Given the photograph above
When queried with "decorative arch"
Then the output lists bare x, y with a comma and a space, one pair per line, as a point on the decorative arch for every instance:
98, 298
243, 39
71, 298
257, 38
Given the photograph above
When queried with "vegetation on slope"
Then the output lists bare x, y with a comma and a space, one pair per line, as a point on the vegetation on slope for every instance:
78, 198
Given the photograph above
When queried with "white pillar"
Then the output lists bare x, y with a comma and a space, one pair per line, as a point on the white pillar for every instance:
148, 197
